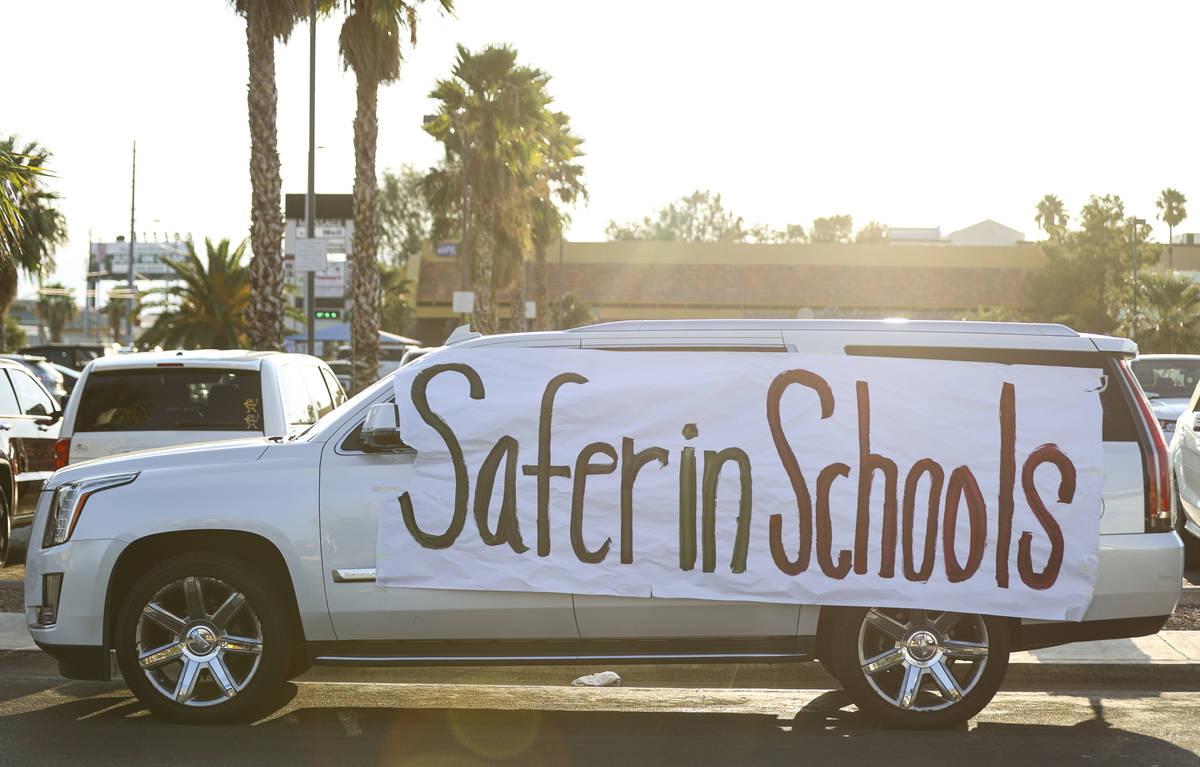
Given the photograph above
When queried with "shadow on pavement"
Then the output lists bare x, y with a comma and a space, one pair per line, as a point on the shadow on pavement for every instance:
112, 728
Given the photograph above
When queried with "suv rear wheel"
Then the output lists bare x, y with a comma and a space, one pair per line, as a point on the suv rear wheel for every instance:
200, 639
919, 669
5, 532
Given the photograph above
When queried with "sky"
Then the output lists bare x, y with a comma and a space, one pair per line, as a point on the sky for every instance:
912, 114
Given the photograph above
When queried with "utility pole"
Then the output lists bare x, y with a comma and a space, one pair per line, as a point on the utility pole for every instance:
310, 202
132, 238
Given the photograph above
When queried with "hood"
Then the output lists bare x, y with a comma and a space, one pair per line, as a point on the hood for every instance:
201, 454
1168, 408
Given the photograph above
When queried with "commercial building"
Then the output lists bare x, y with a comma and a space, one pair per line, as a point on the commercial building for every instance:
673, 280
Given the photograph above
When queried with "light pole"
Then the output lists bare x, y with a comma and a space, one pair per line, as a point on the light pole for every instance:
1136, 223
132, 239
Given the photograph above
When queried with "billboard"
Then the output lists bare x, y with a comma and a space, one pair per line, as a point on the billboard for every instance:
110, 260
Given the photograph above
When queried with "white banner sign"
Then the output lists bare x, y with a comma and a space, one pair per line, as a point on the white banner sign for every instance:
769, 477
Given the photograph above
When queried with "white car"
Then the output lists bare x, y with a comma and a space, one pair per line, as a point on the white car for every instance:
1168, 381
129, 402
215, 572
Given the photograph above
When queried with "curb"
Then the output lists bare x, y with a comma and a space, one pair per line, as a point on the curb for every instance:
1022, 676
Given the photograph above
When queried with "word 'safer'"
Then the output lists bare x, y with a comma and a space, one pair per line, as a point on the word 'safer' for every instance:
895, 526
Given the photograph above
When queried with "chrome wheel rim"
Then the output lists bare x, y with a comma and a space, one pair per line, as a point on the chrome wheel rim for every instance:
920, 660
198, 641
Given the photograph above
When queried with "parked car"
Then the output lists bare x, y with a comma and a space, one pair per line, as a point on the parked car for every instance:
29, 424
43, 371
1168, 381
215, 572
74, 356
69, 375
144, 400
390, 356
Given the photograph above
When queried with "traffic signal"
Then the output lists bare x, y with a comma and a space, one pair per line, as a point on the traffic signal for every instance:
327, 314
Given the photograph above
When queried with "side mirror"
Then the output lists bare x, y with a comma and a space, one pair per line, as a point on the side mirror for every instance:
381, 430
49, 420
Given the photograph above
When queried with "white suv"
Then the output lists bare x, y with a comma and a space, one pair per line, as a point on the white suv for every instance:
215, 572
129, 402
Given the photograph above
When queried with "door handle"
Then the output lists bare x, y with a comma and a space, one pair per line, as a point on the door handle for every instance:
5, 426
43, 428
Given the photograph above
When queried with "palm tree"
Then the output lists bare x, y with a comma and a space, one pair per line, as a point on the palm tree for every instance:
208, 310
1051, 216
493, 113
395, 289
370, 45
571, 312
558, 178
42, 225
19, 176
1169, 313
116, 311
1172, 213
266, 22
56, 307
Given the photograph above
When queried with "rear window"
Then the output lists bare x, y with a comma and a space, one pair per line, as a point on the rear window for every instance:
171, 399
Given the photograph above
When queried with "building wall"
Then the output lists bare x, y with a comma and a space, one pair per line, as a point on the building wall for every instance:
661, 280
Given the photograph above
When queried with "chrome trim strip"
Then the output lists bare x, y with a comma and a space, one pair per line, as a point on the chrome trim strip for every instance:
354, 575
468, 659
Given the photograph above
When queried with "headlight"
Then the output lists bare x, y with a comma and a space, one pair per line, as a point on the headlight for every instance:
68, 502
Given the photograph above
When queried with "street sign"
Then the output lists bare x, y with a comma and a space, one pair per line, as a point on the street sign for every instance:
464, 301
531, 310
311, 255
447, 249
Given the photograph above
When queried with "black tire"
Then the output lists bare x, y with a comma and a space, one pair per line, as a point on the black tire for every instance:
949, 664
216, 622
1191, 545
6, 546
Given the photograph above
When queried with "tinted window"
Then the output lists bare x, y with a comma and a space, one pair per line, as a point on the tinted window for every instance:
8, 400
31, 396
171, 399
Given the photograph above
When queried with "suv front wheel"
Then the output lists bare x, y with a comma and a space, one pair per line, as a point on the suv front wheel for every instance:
200, 639
919, 669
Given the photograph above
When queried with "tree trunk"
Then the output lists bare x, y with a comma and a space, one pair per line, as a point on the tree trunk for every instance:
364, 275
484, 316
539, 287
265, 312
517, 302
8, 293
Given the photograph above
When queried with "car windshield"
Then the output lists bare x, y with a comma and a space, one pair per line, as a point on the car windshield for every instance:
1167, 378
171, 399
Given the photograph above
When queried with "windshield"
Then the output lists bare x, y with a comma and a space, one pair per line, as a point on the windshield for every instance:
1167, 378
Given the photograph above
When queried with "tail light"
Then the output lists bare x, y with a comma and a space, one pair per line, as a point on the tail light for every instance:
62, 452
1160, 504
